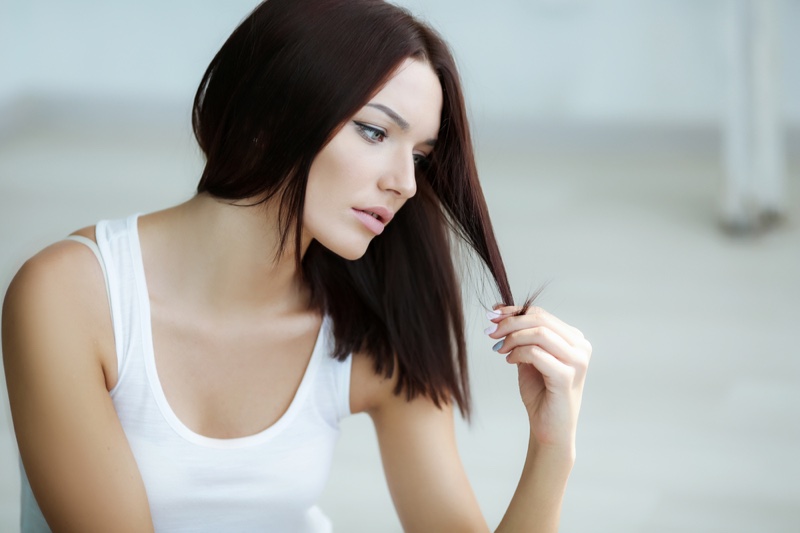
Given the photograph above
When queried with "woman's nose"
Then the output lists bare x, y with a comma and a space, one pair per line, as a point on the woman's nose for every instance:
401, 177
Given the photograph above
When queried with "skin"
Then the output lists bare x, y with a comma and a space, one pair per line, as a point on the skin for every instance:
60, 358
371, 161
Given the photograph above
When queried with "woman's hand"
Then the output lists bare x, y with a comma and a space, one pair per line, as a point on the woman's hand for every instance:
552, 358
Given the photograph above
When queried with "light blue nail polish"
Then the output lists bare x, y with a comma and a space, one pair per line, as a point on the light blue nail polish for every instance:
493, 314
497, 345
491, 329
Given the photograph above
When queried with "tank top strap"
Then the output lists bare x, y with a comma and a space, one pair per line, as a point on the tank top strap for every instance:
114, 239
342, 386
333, 392
106, 265
96, 250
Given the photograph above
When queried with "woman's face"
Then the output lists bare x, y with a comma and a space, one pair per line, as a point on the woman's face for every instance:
366, 173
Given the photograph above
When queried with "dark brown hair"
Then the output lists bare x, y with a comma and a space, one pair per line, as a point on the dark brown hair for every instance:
281, 86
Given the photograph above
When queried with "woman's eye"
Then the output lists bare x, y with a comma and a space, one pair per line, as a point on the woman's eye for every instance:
371, 133
421, 162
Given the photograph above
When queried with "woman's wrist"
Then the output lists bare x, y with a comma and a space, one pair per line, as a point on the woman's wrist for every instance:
552, 442
554, 453
536, 505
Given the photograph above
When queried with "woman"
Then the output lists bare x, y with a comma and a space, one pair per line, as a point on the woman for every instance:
191, 374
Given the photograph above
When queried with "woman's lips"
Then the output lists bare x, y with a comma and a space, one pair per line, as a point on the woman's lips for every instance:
372, 223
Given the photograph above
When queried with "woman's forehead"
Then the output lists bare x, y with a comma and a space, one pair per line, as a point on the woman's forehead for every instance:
414, 93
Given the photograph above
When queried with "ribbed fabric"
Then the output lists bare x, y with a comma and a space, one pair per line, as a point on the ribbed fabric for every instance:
269, 481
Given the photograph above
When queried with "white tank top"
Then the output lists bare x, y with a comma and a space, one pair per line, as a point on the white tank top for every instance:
269, 481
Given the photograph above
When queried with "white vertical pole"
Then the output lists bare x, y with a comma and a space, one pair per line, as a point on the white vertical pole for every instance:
768, 139
737, 213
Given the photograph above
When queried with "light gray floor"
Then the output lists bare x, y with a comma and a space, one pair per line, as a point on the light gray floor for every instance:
691, 418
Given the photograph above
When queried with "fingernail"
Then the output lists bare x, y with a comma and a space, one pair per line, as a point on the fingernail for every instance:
493, 314
497, 345
491, 329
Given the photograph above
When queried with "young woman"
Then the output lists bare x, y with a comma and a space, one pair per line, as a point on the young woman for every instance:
190, 375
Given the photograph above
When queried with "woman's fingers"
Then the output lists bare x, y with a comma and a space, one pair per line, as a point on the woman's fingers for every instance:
507, 322
550, 343
557, 375
540, 335
538, 328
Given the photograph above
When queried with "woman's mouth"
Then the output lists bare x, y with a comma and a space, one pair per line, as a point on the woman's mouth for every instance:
371, 220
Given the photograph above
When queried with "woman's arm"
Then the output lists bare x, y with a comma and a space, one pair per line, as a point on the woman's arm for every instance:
426, 478
56, 337
552, 359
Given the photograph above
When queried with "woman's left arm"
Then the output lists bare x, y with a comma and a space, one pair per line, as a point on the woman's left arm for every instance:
552, 358
426, 479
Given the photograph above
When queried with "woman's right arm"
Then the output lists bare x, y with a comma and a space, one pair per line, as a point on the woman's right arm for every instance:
57, 334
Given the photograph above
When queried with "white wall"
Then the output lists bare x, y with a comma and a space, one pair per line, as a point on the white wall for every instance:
628, 61
114, 48
599, 60
12, 69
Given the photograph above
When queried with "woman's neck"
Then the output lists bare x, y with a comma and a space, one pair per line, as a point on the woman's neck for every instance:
219, 257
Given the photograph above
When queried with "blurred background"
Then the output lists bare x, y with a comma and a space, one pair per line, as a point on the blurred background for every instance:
640, 157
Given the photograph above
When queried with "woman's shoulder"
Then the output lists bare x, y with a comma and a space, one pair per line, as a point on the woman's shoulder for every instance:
56, 271
61, 290
373, 393
368, 389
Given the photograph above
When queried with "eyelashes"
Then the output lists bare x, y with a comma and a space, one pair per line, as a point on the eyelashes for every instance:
374, 135
370, 133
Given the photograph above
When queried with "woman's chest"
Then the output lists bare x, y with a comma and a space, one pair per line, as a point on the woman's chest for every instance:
231, 380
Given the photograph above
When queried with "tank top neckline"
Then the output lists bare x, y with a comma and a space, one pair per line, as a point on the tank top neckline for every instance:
306, 382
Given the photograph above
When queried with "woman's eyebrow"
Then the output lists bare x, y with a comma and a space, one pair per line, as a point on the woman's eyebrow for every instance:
392, 115
400, 121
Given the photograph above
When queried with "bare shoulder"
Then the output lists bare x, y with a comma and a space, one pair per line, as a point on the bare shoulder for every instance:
375, 394
368, 390
52, 273
59, 294
64, 274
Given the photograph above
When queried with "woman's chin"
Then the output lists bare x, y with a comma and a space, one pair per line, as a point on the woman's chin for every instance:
350, 251
354, 254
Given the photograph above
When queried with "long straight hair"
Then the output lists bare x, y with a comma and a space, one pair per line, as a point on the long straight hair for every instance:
291, 74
